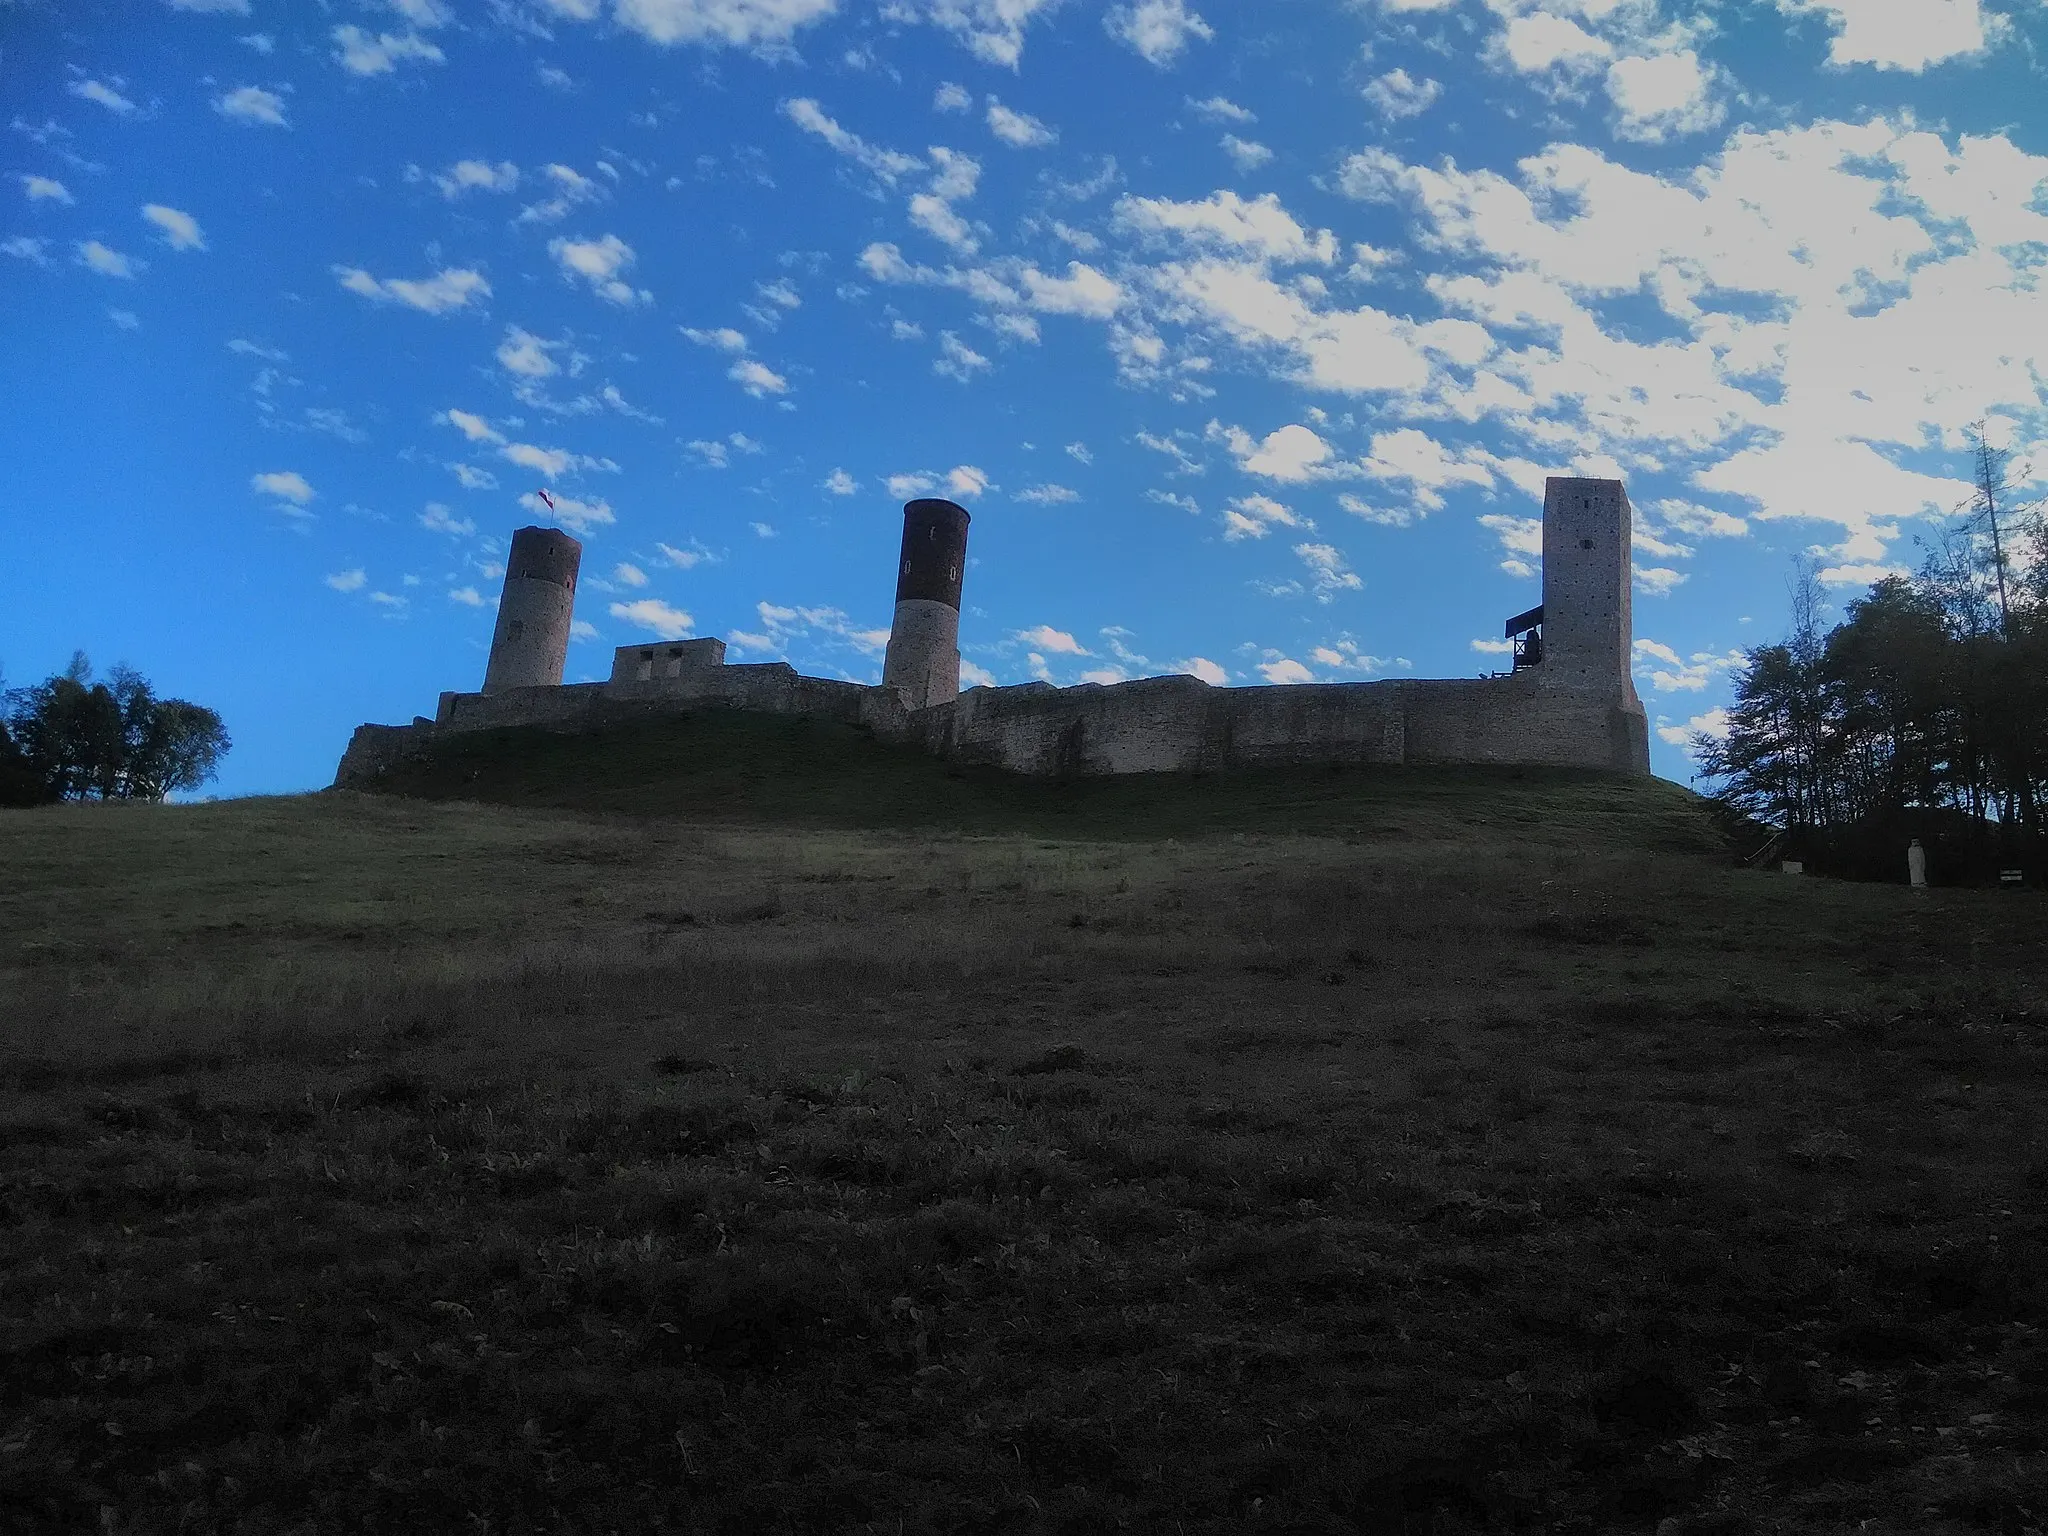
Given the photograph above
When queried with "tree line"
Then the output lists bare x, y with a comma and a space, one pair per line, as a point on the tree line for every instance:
71, 738
1923, 713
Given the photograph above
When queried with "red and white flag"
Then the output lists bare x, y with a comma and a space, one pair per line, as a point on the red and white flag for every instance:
544, 496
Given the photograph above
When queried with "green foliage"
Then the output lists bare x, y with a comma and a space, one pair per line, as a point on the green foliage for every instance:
1930, 697
70, 738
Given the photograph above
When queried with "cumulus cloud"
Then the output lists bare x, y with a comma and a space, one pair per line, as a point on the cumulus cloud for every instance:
285, 484
887, 165
348, 581
1158, 31
106, 261
599, 263
966, 480
1328, 570
992, 30
651, 613
477, 176
1661, 96
1253, 517
1048, 495
179, 230
526, 354
42, 188
1059, 642
571, 189
361, 53
1019, 130
952, 98
572, 512
1285, 669
724, 339
957, 360
713, 23
757, 378
1205, 669
102, 94
1908, 35
1083, 291
1261, 226
252, 104
1397, 94
447, 290
1245, 154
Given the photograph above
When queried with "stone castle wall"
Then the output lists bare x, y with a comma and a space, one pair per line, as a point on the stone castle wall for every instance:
1151, 725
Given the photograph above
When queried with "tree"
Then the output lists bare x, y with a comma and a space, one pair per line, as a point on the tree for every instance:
113, 740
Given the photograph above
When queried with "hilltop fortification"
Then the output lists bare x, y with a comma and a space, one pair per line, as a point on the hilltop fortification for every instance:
1569, 701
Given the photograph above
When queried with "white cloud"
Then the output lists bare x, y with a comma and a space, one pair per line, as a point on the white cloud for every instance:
1905, 35
1253, 517
1187, 504
360, 53
1328, 570
1656, 580
887, 165
724, 339
449, 289
471, 426
1397, 94
252, 104
104, 95
39, 188
1159, 31
571, 189
243, 348
1494, 647
840, 483
572, 512
126, 319
285, 484
935, 216
629, 575
652, 613
952, 98
757, 378
438, 519
1292, 454
1713, 723
731, 23
469, 597
106, 261
992, 30
956, 359
763, 530
348, 581
477, 176
906, 486
181, 232
599, 263
1286, 670
526, 354
1245, 154
1221, 109
686, 559
966, 480
1540, 41
1048, 495
1083, 291
974, 675
262, 42
1046, 638
1661, 96
1019, 130
1207, 670
26, 248
1260, 226
474, 479
1079, 451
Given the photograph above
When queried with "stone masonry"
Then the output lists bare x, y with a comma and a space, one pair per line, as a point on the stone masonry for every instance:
1576, 707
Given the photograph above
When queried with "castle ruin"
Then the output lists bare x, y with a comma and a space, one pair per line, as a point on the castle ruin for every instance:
1569, 701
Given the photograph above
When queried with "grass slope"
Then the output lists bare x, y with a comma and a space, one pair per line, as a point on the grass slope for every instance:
382, 1164
730, 765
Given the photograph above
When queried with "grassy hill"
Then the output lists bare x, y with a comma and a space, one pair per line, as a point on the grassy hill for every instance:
714, 1129
724, 766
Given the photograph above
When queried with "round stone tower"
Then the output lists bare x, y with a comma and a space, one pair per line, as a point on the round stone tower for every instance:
923, 660
531, 642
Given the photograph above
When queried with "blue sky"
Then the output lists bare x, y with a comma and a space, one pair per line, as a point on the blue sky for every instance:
1246, 331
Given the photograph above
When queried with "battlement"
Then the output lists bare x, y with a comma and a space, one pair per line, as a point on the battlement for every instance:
1569, 702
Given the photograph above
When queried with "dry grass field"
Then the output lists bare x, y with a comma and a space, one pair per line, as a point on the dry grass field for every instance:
1471, 1153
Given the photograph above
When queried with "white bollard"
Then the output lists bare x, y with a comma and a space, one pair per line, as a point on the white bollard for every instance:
1916, 863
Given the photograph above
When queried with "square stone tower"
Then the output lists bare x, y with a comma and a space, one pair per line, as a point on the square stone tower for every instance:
1588, 628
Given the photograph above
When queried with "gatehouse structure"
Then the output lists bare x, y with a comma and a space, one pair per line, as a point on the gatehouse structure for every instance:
1569, 701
